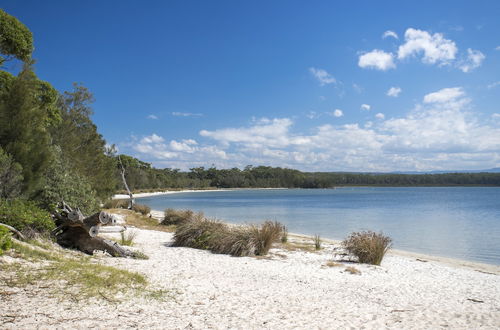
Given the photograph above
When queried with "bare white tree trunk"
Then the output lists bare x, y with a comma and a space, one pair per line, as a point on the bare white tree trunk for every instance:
131, 201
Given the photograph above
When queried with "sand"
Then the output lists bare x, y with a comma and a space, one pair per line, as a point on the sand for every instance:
286, 290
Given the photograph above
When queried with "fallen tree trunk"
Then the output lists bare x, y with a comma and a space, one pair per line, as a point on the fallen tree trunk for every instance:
14, 230
76, 231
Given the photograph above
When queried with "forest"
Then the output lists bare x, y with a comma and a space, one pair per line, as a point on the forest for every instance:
51, 150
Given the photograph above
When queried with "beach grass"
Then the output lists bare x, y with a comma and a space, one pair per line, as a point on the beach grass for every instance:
368, 246
218, 237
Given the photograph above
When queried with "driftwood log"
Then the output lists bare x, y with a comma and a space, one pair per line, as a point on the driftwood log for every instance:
76, 231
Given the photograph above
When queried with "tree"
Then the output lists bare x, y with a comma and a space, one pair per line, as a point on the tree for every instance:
27, 110
16, 39
81, 145
10, 176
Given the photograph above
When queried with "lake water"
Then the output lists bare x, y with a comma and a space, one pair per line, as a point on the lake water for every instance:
457, 222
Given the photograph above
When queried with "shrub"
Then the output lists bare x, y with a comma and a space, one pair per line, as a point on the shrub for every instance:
175, 217
25, 216
218, 237
62, 182
116, 204
5, 240
368, 246
317, 242
142, 209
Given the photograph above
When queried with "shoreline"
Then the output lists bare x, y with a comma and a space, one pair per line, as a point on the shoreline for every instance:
422, 257
171, 192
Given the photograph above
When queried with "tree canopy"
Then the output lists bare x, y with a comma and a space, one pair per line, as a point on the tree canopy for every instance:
16, 39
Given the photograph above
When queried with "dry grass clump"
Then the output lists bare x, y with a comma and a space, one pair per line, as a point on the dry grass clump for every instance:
368, 246
175, 217
331, 263
218, 237
142, 209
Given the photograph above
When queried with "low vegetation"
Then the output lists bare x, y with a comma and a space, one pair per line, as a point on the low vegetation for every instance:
116, 204
352, 270
70, 274
5, 240
317, 242
368, 246
218, 237
25, 216
141, 221
284, 235
127, 238
142, 209
175, 217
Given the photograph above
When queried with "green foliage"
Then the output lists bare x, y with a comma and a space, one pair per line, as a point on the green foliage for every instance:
61, 182
219, 237
284, 235
81, 145
10, 176
368, 246
317, 242
25, 215
175, 217
5, 240
142, 209
24, 116
15, 38
128, 238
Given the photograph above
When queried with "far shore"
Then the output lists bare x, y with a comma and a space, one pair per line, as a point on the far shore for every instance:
170, 192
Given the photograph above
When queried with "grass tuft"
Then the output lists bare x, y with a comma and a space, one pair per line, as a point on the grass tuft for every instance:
284, 235
142, 209
175, 217
317, 242
218, 237
368, 246
127, 238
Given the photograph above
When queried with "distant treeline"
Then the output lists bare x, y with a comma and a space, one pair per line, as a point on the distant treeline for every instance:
141, 175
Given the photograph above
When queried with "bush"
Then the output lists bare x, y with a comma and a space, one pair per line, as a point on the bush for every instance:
175, 217
116, 204
368, 246
25, 216
219, 237
62, 182
5, 240
143, 209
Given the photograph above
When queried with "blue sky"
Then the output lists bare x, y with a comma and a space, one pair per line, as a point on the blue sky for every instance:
312, 85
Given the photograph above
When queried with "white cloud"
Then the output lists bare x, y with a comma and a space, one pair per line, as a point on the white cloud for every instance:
473, 61
444, 95
394, 91
186, 114
377, 59
322, 76
365, 107
435, 48
497, 48
493, 85
441, 132
390, 33
312, 115
337, 113
152, 117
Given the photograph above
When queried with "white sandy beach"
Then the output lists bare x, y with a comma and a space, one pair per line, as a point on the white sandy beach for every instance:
288, 289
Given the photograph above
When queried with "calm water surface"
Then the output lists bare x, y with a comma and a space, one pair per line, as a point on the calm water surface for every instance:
457, 222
